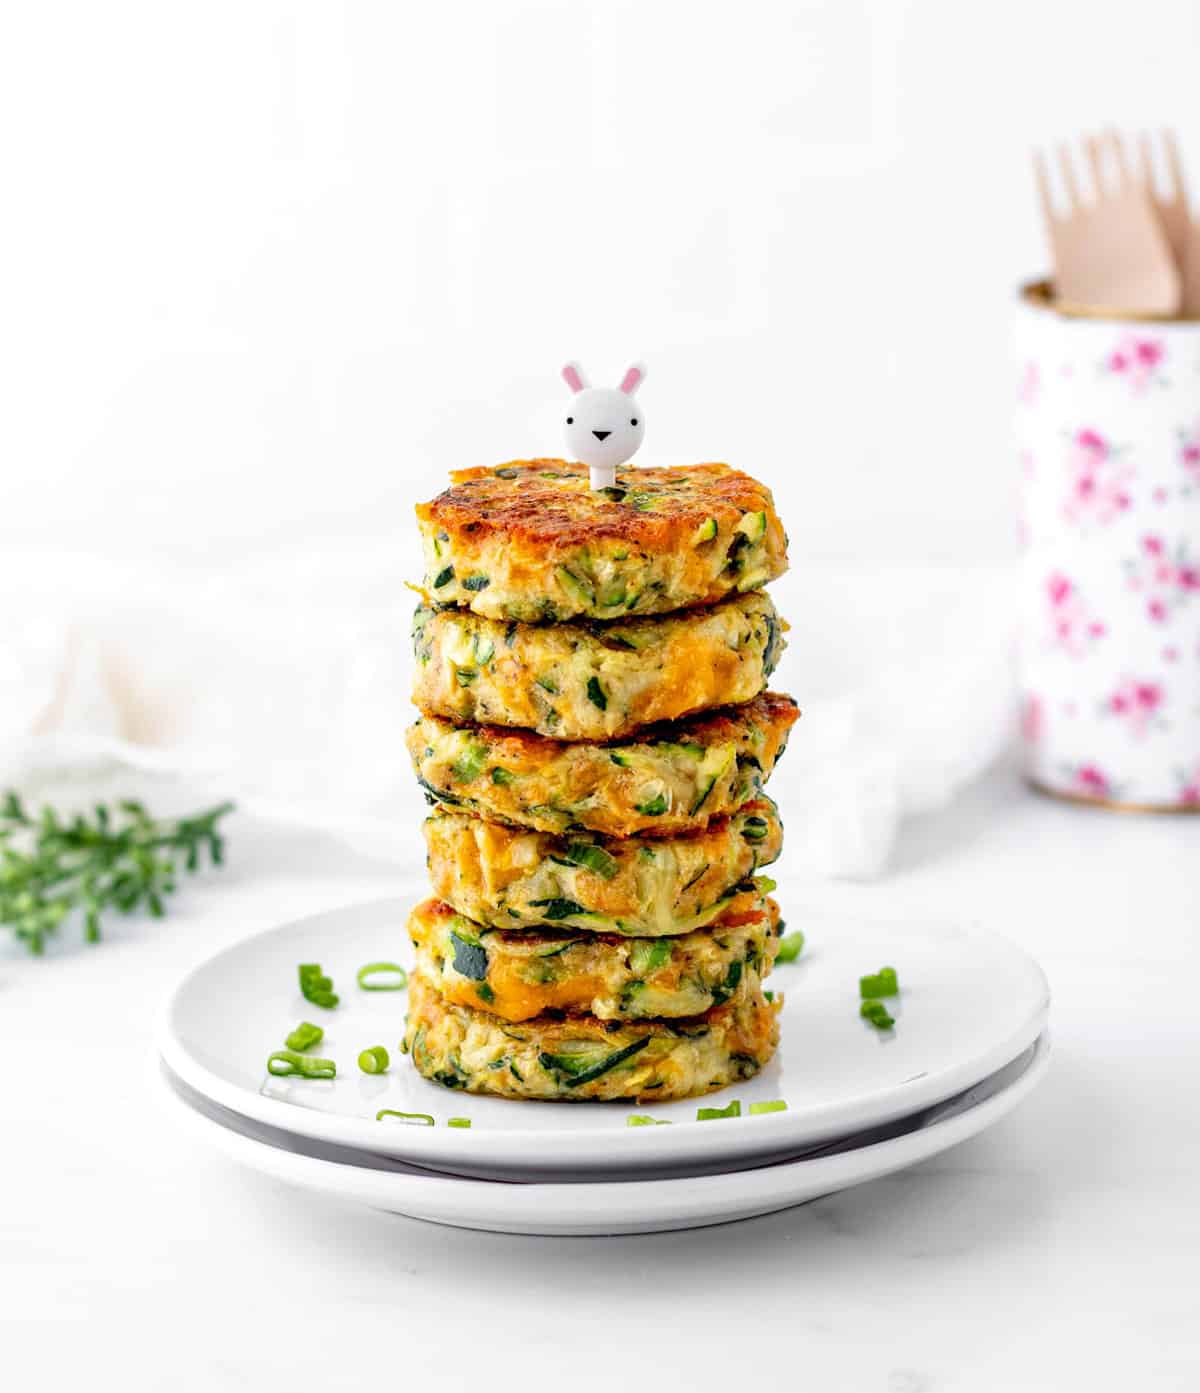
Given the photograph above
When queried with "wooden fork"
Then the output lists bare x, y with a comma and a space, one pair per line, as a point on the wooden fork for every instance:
1174, 212
1110, 250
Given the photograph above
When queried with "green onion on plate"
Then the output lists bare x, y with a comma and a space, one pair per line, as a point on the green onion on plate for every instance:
305, 1036
284, 1063
711, 1114
395, 978
374, 1061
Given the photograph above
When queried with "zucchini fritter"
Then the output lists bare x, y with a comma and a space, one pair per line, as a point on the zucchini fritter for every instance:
590, 681
700, 768
635, 886
520, 973
582, 1058
531, 540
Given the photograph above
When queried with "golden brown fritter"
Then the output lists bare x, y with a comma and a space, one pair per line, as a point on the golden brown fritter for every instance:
637, 886
532, 541
522, 973
582, 1058
588, 681
694, 770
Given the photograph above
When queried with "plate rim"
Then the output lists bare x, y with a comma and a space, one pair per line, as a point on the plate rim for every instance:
550, 1151
634, 1204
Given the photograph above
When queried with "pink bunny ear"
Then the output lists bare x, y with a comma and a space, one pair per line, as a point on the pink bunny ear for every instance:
573, 377
633, 379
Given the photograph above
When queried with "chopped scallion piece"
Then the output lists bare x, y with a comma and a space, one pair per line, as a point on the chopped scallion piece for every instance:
641, 1120
773, 1105
374, 1061
411, 1119
316, 987
396, 982
596, 693
712, 1114
592, 858
877, 984
790, 947
284, 1063
458, 1122
655, 807
877, 1013
305, 1036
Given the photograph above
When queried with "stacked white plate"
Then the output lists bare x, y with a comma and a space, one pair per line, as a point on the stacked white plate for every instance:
969, 1043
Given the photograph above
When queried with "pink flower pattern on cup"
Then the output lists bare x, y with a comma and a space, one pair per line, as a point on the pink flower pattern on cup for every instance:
1073, 626
1138, 703
1110, 523
1138, 359
1098, 480
1030, 383
1033, 716
1189, 450
1167, 579
1090, 781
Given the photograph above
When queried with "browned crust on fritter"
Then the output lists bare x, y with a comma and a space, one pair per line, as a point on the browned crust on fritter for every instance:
768, 708
537, 510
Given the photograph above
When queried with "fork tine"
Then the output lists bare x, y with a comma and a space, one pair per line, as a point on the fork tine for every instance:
1066, 170
1041, 177
1125, 174
1176, 183
1145, 160
1093, 152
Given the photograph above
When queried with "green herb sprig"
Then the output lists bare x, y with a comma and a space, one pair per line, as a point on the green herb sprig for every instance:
117, 859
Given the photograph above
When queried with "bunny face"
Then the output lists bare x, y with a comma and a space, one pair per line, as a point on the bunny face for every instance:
604, 425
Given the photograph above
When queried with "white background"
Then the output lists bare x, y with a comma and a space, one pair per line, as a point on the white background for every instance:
267, 270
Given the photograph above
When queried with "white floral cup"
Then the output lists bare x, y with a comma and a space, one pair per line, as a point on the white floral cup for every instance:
1108, 430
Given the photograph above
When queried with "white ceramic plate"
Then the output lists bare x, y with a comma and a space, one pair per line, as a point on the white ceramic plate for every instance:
614, 1206
971, 1002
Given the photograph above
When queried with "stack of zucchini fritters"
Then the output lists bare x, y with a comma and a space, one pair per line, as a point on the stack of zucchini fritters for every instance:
594, 738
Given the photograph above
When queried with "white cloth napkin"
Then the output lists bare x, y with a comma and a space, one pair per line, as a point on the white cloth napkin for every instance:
283, 683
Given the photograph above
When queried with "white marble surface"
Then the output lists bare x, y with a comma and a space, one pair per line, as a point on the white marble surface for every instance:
1058, 1251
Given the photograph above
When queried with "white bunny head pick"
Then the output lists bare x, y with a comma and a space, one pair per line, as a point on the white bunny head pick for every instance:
605, 425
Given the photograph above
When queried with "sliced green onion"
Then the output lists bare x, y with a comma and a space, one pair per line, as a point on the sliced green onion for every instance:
501, 776
773, 1105
305, 1036
316, 987
284, 1063
877, 1013
411, 1119
592, 858
443, 577
768, 996
397, 984
790, 947
458, 1122
647, 955
374, 1061
711, 1114
469, 765
596, 693
655, 807
877, 984
641, 1120
705, 532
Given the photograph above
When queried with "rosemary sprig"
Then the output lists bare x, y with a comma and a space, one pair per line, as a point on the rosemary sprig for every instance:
119, 859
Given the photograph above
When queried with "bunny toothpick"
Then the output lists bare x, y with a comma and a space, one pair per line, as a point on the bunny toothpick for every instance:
604, 425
